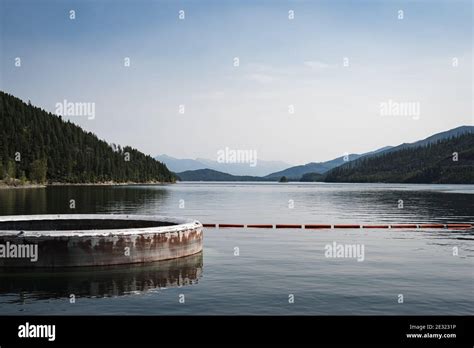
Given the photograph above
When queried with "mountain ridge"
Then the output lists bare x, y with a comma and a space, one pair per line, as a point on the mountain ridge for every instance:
305, 173
296, 172
262, 168
448, 160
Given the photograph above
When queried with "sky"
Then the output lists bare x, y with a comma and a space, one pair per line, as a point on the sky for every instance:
338, 77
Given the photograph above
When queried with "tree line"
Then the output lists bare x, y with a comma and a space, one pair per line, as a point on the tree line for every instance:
40, 147
448, 161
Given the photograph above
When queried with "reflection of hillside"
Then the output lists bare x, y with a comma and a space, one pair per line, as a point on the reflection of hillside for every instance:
89, 199
422, 206
23, 201
101, 281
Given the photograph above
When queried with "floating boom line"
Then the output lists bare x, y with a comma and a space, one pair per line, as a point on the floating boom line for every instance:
462, 226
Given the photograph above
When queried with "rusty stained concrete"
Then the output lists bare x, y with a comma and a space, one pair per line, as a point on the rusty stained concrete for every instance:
62, 249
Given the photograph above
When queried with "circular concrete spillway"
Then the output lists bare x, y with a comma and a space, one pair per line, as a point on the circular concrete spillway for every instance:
95, 240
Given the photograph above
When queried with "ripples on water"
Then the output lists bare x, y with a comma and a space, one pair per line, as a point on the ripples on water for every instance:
272, 263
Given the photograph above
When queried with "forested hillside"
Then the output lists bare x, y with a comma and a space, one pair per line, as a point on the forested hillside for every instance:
40, 147
433, 163
214, 175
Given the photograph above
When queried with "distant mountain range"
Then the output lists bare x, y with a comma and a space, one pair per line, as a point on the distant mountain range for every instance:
431, 154
296, 173
455, 132
448, 160
240, 169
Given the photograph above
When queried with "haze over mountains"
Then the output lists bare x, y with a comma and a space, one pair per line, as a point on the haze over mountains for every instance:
261, 169
458, 139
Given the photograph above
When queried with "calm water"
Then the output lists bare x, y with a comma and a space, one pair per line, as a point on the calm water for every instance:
272, 263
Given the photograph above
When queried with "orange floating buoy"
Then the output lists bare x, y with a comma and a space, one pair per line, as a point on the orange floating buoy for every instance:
460, 226
316, 226
432, 226
404, 226
346, 226
260, 226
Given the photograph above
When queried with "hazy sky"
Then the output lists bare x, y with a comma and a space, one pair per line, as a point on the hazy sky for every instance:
425, 58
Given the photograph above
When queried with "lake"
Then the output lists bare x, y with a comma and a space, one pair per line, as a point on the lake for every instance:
264, 271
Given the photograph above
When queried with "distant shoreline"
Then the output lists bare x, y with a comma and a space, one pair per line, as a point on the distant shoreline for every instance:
4, 185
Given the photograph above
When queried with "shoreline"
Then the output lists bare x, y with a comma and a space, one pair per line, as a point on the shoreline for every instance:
4, 186
109, 183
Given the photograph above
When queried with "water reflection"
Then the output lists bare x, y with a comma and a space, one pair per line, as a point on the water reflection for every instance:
88, 199
317, 203
100, 281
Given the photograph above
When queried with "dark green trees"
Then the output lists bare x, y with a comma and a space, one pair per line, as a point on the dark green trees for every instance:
38, 171
448, 161
283, 179
43, 147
